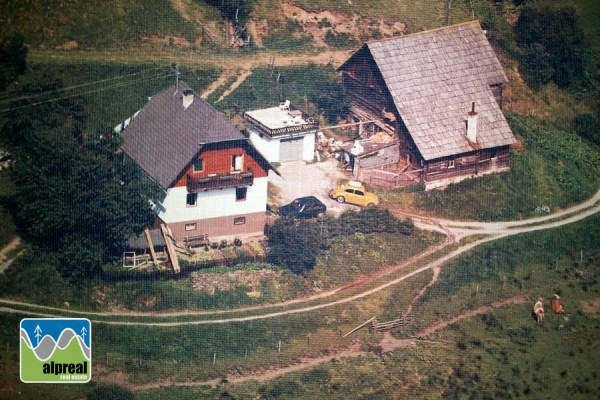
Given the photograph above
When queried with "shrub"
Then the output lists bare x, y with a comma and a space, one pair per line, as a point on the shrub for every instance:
588, 127
294, 244
114, 392
552, 44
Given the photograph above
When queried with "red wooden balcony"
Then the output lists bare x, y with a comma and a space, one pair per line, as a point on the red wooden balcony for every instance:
219, 181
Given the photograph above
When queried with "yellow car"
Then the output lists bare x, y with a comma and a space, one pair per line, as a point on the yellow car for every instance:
354, 192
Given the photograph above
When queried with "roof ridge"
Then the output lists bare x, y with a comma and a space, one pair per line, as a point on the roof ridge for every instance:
428, 31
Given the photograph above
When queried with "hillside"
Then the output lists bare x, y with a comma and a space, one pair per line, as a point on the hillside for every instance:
468, 299
70, 24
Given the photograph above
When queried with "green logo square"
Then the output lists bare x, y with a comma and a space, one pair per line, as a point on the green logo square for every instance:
56, 350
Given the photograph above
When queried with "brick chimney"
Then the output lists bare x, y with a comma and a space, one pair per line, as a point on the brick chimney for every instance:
472, 124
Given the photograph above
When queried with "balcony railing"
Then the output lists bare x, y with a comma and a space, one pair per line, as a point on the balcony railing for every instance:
219, 181
308, 124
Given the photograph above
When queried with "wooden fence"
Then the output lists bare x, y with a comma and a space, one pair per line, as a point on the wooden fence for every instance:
389, 325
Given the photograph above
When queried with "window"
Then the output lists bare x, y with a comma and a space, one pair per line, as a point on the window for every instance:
239, 221
191, 199
237, 162
198, 165
190, 227
450, 163
240, 193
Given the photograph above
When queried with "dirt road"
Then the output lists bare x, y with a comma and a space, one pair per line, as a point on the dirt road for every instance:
455, 230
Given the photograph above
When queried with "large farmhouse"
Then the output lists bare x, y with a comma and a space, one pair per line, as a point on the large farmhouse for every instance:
214, 179
439, 94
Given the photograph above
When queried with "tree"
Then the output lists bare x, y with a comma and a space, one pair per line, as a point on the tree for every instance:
588, 127
552, 45
293, 244
75, 195
13, 59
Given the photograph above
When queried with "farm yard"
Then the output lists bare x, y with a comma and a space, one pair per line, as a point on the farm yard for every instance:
443, 309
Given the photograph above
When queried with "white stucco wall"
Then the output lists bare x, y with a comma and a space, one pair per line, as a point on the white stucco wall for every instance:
308, 150
213, 203
270, 148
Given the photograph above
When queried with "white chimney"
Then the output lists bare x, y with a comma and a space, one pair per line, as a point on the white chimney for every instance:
472, 124
188, 98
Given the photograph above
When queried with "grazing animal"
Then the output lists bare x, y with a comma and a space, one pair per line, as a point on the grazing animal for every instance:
538, 310
557, 308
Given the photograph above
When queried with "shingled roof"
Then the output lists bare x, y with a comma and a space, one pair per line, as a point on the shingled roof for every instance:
164, 136
433, 78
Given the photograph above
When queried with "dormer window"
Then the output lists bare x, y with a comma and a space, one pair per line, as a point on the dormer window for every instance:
237, 162
198, 165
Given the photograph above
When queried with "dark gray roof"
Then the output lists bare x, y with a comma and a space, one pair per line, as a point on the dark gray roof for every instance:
163, 137
433, 77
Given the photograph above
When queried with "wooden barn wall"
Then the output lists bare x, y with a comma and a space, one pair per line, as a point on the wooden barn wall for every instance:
467, 164
365, 87
497, 91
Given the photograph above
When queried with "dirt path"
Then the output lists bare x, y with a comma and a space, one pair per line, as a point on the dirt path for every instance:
488, 232
4, 261
241, 77
238, 60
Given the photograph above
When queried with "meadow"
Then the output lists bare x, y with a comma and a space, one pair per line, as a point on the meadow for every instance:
501, 353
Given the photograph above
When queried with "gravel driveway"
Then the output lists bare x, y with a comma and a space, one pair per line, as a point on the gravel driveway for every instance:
299, 179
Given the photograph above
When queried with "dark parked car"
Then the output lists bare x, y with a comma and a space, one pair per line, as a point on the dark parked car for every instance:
303, 207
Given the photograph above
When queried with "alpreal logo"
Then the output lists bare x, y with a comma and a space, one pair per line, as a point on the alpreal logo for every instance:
56, 350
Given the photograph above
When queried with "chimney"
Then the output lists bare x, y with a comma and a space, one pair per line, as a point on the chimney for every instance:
472, 124
188, 98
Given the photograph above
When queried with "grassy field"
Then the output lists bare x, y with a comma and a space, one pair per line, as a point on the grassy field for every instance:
114, 24
499, 354
530, 360
111, 92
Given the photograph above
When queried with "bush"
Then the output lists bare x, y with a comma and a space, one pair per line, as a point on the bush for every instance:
293, 244
552, 44
588, 127
113, 392
296, 244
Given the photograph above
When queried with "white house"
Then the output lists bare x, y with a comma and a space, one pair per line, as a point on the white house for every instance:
215, 181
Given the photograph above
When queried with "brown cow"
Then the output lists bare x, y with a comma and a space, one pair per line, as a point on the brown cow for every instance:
538, 310
557, 308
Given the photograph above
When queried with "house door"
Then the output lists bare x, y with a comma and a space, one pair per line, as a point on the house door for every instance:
291, 149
